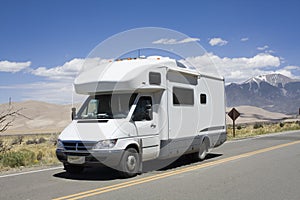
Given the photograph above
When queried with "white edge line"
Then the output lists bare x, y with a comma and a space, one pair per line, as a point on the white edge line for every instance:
31, 172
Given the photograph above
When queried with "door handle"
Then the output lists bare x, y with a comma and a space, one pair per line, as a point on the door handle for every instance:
152, 125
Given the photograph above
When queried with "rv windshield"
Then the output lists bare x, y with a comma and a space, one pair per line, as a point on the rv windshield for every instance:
107, 106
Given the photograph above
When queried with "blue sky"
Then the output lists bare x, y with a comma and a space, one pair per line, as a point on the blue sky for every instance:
39, 38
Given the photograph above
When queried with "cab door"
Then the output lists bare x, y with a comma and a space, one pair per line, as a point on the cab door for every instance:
146, 124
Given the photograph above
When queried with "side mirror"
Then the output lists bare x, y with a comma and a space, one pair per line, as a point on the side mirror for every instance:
73, 115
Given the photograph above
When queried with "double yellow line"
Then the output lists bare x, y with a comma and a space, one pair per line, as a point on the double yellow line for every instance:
168, 174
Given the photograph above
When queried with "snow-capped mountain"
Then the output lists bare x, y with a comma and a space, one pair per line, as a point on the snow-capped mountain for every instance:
273, 92
277, 80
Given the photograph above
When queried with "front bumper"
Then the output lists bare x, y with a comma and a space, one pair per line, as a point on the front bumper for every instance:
110, 158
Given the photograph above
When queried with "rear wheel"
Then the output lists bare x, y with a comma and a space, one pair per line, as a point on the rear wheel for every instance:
130, 163
203, 151
73, 169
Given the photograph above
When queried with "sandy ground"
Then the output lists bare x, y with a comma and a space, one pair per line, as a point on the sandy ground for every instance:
52, 118
251, 114
41, 117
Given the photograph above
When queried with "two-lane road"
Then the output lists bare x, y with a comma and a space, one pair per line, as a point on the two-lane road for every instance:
261, 168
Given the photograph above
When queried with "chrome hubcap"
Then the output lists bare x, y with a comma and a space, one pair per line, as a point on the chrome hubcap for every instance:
131, 163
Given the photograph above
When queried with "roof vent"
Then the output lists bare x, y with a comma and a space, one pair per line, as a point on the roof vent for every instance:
179, 64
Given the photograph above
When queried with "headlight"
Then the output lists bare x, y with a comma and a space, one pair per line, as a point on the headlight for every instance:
105, 144
59, 145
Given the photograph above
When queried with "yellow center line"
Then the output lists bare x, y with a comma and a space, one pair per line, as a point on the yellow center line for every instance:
168, 174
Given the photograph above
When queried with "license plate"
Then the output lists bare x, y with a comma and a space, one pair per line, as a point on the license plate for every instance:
76, 159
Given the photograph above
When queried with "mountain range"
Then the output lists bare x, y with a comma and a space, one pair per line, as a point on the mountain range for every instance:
272, 92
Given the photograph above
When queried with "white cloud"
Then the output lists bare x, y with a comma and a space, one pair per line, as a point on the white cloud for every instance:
292, 67
53, 92
285, 72
7, 66
244, 39
269, 51
68, 70
263, 48
290, 71
59, 86
175, 41
234, 69
217, 42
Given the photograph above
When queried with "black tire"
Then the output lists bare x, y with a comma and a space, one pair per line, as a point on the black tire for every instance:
203, 151
73, 169
130, 163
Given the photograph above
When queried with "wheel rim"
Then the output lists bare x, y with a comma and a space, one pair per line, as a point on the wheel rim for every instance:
203, 151
131, 162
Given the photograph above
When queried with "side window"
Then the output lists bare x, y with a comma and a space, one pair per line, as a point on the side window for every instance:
203, 98
143, 110
154, 78
91, 109
183, 96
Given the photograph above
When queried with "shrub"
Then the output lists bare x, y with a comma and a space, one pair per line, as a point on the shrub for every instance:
281, 124
1, 145
257, 126
41, 140
17, 140
23, 157
239, 127
4, 147
39, 156
31, 142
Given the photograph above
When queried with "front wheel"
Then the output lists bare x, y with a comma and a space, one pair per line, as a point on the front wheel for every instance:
130, 163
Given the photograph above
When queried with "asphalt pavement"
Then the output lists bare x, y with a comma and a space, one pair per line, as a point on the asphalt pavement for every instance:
266, 167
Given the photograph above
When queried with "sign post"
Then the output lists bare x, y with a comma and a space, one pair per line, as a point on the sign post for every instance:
233, 114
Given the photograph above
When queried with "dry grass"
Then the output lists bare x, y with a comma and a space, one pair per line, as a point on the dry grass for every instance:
251, 130
16, 149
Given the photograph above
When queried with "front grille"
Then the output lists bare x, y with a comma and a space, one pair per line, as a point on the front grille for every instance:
78, 146
77, 154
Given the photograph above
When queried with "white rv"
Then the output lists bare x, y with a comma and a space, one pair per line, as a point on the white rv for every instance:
143, 109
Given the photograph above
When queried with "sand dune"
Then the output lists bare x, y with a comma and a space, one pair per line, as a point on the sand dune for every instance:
52, 118
43, 117
250, 114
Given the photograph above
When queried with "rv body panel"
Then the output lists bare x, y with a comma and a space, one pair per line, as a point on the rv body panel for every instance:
172, 111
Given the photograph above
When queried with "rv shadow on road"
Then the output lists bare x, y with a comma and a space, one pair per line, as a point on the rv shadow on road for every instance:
107, 174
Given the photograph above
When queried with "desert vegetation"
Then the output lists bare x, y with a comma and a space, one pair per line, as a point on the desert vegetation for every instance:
26, 151
23, 150
260, 128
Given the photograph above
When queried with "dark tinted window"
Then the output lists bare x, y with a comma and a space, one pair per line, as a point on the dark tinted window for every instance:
154, 78
143, 110
203, 98
183, 96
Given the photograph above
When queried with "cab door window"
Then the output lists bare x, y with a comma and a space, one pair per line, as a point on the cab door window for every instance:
143, 110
